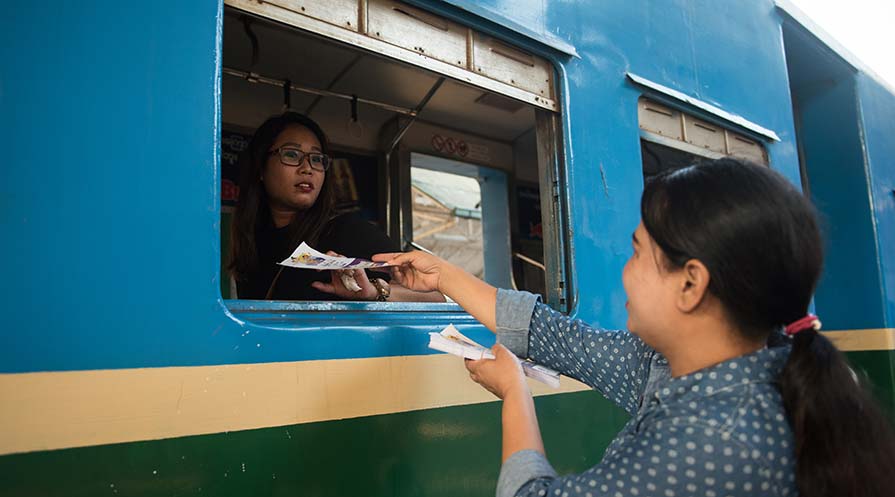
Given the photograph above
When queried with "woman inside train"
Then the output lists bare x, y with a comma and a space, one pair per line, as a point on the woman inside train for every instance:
285, 199
730, 387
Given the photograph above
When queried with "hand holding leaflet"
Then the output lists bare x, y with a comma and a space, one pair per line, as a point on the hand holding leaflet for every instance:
453, 342
305, 257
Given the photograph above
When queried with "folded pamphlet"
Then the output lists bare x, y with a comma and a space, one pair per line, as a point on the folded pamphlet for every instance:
453, 342
305, 257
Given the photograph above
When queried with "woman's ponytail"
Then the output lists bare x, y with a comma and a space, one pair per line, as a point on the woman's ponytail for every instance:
758, 236
844, 444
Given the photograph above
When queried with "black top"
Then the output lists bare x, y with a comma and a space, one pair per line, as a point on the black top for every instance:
348, 234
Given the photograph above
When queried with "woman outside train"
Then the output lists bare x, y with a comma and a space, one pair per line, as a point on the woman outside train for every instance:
730, 387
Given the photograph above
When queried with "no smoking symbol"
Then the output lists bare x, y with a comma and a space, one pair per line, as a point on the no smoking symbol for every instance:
438, 142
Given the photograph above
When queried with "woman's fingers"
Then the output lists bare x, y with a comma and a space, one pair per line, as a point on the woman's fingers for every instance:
471, 365
415, 270
385, 257
360, 276
499, 375
397, 275
324, 287
349, 280
400, 259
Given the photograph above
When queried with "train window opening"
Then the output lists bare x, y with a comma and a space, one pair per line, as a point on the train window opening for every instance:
447, 217
458, 167
659, 158
672, 138
461, 213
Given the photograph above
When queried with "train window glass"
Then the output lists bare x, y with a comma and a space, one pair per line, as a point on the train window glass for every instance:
689, 135
447, 217
455, 166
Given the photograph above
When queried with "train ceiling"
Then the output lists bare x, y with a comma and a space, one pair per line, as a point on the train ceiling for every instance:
307, 60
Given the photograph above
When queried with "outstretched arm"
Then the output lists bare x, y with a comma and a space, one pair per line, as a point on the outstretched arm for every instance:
615, 362
503, 377
359, 286
424, 272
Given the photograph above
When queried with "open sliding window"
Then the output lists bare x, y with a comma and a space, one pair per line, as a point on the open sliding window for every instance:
444, 138
677, 131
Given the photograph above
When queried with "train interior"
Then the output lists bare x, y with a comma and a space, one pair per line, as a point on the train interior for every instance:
672, 138
436, 162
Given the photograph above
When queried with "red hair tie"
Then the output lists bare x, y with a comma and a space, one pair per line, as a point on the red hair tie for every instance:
807, 322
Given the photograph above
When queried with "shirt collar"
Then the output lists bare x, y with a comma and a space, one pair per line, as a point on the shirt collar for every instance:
762, 366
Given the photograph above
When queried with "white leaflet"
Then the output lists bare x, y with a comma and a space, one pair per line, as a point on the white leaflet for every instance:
453, 342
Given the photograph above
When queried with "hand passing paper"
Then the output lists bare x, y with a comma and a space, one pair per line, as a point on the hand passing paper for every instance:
305, 257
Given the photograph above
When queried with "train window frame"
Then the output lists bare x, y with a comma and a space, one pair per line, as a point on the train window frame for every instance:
551, 142
700, 134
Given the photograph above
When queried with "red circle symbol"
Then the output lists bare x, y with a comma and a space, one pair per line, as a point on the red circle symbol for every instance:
438, 142
462, 148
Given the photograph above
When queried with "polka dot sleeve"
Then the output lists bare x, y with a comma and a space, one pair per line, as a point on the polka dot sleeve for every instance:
663, 462
614, 362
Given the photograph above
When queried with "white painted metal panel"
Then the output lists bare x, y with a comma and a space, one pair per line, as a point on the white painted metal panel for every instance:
512, 66
417, 30
401, 48
745, 148
449, 143
342, 13
704, 135
704, 106
659, 119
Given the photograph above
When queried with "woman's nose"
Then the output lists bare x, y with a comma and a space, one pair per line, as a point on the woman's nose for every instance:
304, 167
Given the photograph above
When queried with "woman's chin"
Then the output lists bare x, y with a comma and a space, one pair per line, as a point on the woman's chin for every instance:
301, 203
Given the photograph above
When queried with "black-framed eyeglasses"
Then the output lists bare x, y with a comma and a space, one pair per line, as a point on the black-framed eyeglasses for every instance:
291, 156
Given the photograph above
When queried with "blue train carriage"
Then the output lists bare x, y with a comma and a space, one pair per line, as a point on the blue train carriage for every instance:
129, 367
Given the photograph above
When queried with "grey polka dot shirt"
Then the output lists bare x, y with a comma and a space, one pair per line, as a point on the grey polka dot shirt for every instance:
717, 432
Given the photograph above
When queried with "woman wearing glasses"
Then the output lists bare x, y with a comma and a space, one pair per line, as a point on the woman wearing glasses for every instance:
285, 199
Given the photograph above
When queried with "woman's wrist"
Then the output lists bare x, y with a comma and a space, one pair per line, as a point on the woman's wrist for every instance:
381, 290
517, 391
447, 273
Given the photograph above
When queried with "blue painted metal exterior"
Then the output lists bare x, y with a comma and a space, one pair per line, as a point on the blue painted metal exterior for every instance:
848, 293
110, 119
877, 107
829, 102
528, 18
110, 127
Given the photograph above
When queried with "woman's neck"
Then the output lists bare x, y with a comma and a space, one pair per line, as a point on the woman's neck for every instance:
687, 361
705, 344
281, 216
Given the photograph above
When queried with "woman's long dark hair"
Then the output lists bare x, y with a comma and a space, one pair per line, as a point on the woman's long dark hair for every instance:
253, 209
759, 238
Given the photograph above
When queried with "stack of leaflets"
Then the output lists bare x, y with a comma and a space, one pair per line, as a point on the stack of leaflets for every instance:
453, 342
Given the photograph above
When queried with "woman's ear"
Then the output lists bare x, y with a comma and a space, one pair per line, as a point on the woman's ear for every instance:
694, 285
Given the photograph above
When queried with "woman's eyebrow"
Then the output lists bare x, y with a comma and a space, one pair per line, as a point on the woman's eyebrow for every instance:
298, 146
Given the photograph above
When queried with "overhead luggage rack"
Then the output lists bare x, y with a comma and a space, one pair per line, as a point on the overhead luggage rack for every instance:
422, 39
